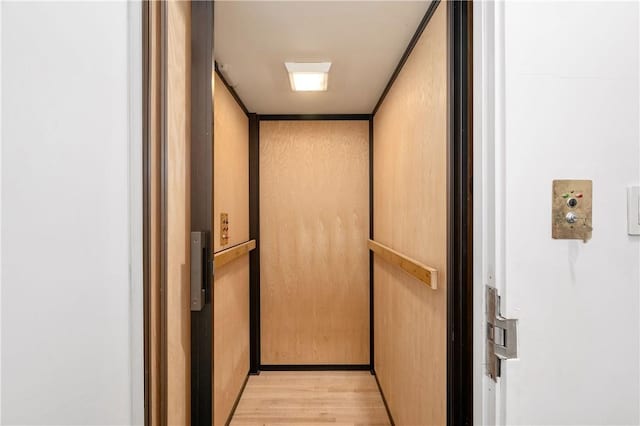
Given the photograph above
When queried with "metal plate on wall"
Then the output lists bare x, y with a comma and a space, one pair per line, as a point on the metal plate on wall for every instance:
572, 210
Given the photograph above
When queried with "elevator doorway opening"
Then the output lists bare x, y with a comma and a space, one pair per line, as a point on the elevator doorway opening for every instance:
308, 252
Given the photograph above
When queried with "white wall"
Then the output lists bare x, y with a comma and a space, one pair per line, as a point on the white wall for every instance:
65, 289
567, 106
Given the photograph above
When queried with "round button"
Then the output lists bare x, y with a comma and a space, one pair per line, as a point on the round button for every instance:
571, 217
572, 202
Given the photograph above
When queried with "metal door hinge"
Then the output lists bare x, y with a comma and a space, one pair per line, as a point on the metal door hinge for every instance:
502, 335
201, 269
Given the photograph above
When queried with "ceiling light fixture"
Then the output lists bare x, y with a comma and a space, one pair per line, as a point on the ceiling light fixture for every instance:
308, 77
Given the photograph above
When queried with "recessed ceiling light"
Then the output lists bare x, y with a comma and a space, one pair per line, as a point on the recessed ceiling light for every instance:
308, 77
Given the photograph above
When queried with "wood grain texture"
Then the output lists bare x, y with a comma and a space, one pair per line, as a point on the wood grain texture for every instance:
301, 398
314, 222
231, 167
231, 281
230, 336
410, 215
223, 257
154, 213
424, 273
178, 211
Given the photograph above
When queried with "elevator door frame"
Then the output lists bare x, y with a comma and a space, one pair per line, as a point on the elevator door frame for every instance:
460, 261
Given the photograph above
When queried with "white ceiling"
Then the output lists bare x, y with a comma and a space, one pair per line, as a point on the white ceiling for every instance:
364, 40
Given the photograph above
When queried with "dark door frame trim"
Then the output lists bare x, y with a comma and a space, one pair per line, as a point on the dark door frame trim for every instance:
255, 362
254, 229
254, 234
372, 359
202, 111
460, 268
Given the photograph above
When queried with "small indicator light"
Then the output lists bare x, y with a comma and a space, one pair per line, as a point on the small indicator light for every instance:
579, 195
565, 195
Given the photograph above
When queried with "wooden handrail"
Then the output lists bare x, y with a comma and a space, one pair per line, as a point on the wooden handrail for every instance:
424, 273
225, 256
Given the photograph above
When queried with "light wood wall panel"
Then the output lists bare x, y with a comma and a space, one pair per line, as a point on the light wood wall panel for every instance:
410, 216
314, 225
231, 167
178, 211
231, 281
230, 336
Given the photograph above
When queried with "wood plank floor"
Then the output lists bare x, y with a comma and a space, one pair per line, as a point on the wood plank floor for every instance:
311, 398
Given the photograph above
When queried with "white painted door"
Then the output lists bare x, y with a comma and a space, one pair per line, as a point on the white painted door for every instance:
556, 97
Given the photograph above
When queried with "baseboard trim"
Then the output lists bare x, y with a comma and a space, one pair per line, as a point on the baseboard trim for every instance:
384, 400
235, 404
316, 367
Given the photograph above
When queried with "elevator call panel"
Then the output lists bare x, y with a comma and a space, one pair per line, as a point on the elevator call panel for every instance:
224, 229
571, 210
